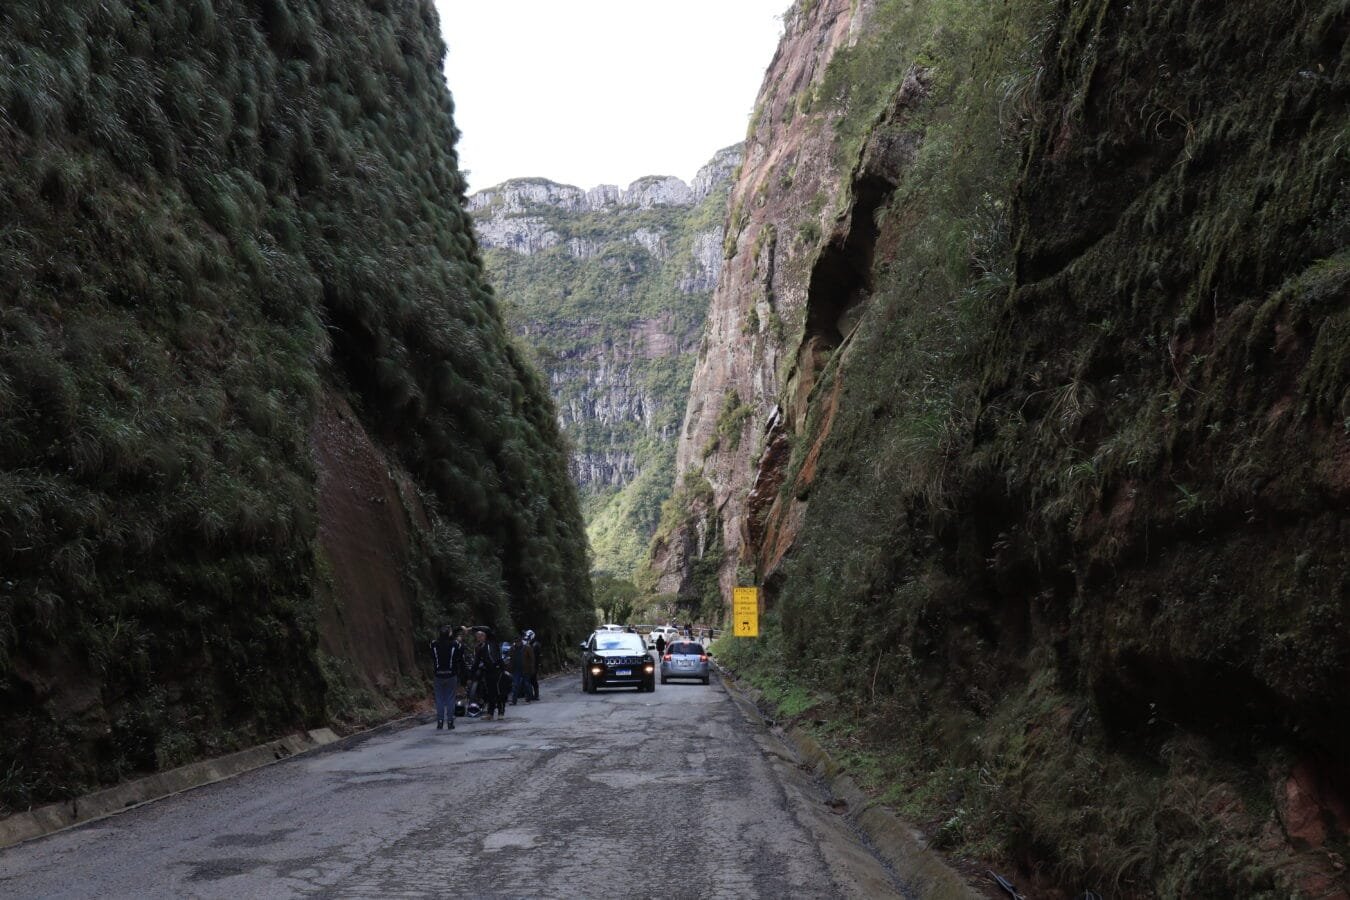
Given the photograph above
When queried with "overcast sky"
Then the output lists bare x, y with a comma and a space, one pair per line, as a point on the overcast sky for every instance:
591, 92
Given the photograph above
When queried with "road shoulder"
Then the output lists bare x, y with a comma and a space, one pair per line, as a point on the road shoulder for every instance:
922, 872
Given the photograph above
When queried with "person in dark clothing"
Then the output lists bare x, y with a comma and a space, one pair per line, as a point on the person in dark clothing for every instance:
522, 663
504, 678
447, 668
660, 645
533, 640
531, 670
487, 667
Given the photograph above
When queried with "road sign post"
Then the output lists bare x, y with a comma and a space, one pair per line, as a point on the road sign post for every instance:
745, 612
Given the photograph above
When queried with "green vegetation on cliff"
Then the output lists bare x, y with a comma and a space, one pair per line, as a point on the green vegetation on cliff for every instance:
1079, 522
213, 215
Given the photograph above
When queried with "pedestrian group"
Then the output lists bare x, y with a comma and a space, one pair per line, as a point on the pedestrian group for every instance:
490, 676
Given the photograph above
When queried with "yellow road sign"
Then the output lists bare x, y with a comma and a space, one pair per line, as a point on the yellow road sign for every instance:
745, 612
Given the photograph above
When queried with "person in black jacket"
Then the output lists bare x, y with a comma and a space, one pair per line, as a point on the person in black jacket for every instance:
521, 657
487, 667
447, 667
533, 640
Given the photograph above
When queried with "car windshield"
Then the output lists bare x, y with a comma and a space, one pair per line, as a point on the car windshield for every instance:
618, 640
685, 649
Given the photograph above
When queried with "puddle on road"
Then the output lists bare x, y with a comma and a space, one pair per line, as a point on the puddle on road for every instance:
254, 839
621, 779
537, 748
219, 869
510, 839
377, 777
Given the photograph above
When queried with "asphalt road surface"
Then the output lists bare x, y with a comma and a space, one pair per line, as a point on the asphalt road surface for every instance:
621, 794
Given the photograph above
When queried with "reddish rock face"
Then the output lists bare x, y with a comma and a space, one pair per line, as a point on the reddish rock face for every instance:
367, 513
789, 176
784, 518
1309, 807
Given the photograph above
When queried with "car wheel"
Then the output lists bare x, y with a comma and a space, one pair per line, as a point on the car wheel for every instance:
665, 680
705, 680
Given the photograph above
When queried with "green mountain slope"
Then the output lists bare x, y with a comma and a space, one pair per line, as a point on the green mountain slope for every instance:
609, 289
219, 221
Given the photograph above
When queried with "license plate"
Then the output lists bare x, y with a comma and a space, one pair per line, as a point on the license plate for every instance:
623, 671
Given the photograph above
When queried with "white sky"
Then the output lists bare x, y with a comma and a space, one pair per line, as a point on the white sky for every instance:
591, 92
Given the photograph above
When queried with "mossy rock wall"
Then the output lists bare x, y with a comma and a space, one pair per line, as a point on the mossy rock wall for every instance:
213, 214
1080, 508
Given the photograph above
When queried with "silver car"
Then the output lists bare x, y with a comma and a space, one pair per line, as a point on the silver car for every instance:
685, 659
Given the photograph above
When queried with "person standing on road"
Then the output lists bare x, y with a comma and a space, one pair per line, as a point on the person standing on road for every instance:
522, 661
505, 680
537, 652
447, 666
660, 645
486, 669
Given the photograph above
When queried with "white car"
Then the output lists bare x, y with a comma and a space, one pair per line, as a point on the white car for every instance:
669, 632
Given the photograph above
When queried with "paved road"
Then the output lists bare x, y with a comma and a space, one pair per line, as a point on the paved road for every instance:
574, 796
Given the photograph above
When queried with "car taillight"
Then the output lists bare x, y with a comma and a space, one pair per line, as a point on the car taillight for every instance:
703, 657
666, 657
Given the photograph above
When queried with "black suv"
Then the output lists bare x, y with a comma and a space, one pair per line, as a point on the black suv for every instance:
617, 659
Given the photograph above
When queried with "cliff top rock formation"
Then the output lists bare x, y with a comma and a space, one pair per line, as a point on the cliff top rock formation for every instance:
519, 196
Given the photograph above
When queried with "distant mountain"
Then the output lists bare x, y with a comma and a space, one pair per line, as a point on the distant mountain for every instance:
609, 288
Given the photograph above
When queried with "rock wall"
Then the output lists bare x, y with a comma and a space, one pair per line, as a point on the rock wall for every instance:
782, 205
1055, 451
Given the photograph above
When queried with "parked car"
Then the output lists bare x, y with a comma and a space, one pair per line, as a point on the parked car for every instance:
685, 659
616, 659
611, 627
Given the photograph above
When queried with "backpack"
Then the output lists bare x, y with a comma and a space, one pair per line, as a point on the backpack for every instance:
443, 655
